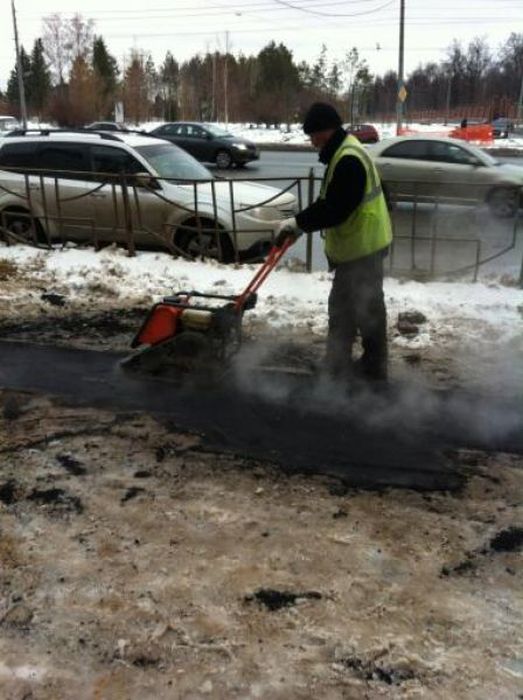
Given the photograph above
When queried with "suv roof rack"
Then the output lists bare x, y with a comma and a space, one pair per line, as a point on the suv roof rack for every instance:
109, 136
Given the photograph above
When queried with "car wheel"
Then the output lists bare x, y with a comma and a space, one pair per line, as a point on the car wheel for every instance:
207, 244
223, 160
21, 227
503, 203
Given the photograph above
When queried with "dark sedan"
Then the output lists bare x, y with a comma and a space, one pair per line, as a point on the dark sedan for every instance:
208, 143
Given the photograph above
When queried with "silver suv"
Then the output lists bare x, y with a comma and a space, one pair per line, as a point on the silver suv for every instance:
127, 187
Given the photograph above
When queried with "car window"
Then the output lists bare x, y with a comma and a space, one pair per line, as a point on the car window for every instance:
55, 159
171, 162
451, 153
170, 129
411, 150
18, 155
108, 159
195, 131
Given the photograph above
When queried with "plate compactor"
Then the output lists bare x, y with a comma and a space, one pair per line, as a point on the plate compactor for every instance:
193, 332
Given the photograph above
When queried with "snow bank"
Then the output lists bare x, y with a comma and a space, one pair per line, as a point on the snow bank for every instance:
288, 300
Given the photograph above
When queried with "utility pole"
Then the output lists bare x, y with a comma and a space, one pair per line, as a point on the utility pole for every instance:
519, 111
402, 93
226, 80
449, 92
19, 69
213, 103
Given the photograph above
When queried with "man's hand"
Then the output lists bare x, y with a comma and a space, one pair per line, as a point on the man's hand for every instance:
288, 228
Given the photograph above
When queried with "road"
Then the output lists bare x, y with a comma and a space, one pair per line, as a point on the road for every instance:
463, 234
291, 164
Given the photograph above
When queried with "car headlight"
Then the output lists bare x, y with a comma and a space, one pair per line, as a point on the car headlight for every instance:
240, 146
265, 213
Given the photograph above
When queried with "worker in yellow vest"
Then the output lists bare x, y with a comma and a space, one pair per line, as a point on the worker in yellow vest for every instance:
351, 210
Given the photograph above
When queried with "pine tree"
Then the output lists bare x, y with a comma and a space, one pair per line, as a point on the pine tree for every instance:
135, 89
106, 72
319, 71
12, 93
39, 80
170, 76
334, 79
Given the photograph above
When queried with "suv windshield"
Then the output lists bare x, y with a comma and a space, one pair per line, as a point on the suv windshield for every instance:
216, 131
171, 162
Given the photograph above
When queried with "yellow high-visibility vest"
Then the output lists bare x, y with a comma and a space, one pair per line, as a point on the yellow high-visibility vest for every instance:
368, 228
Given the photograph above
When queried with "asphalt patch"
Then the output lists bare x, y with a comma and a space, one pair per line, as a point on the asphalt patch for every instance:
8, 492
105, 324
131, 493
299, 431
71, 465
509, 540
58, 499
275, 600
370, 671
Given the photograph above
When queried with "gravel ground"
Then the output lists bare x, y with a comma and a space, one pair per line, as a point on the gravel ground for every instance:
134, 564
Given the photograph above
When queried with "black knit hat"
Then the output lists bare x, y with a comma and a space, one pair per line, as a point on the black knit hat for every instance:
321, 116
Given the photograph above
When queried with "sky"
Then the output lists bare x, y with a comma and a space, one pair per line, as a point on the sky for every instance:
187, 27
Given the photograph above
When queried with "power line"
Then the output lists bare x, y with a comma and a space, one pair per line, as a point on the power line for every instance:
329, 14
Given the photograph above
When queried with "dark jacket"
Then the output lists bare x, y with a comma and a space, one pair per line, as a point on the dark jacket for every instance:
344, 193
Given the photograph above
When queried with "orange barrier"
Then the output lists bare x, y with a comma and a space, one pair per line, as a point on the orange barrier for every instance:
478, 133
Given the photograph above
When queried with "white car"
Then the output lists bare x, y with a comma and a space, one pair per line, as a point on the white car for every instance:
104, 186
7, 124
448, 170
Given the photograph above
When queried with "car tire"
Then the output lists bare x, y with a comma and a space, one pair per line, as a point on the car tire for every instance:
195, 246
503, 202
19, 224
223, 160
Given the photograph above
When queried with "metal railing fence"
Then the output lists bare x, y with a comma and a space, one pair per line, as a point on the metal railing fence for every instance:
432, 221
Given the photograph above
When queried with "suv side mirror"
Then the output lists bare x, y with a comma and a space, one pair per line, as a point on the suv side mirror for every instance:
209, 136
145, 180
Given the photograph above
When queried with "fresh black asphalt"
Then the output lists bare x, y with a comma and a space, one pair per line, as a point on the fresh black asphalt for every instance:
392, 446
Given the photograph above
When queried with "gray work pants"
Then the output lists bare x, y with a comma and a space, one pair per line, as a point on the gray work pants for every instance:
357, 306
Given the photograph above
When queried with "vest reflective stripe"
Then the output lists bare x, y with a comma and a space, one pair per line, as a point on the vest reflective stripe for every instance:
368, 228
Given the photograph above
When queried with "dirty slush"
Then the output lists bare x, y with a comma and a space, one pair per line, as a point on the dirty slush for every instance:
141, 558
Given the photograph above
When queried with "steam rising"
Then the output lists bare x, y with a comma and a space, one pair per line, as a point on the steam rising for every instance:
408, 407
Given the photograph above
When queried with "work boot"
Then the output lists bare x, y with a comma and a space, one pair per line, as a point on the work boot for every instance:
371, 369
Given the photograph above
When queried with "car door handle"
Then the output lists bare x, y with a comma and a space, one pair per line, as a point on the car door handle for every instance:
34, 187
438, 170
99, 195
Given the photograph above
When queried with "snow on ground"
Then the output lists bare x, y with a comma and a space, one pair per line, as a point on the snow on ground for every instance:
288, 300
293, 134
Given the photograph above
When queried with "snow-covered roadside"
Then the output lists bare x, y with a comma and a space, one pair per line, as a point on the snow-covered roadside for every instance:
293, 135
289, 300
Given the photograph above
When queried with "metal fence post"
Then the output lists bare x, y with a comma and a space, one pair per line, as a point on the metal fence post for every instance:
310, 200
127, 217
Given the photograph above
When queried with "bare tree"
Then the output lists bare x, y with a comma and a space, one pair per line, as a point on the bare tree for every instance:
54, 38
80, 37
64, 40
